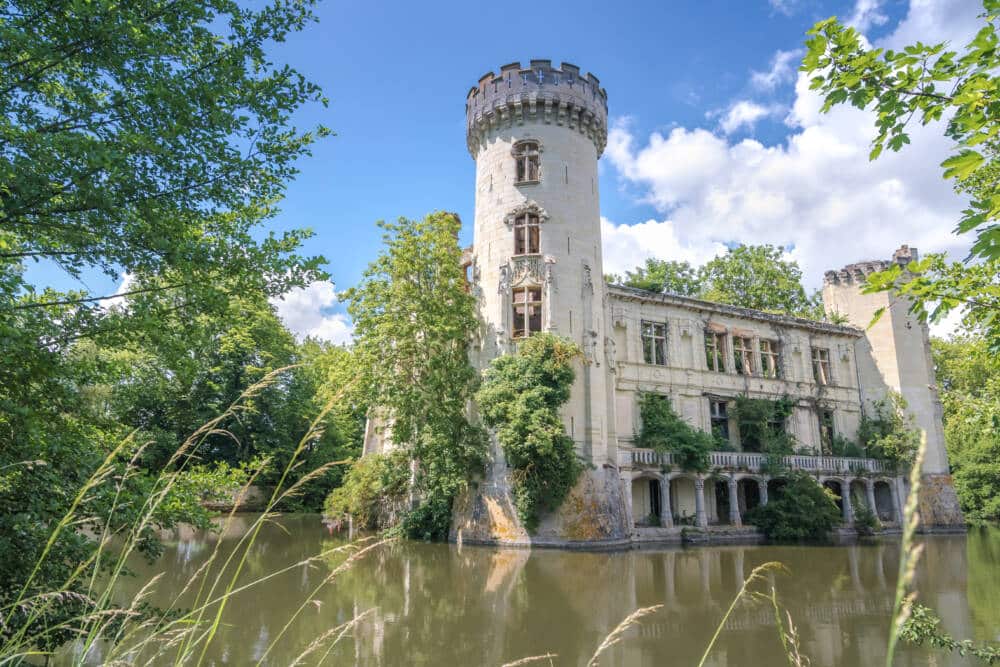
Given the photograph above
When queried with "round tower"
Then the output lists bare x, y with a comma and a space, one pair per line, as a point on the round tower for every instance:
536, 134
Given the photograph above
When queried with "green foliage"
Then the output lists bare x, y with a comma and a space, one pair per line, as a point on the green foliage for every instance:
520, 398
663, 276
841, 446
888, 432
931, 83
802, 511
664, 430
865, 520
762, 428
748, 276
413, 322
373, 492
922, 625
969, 376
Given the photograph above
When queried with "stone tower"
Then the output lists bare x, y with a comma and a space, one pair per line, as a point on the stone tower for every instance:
536, 134
895, 355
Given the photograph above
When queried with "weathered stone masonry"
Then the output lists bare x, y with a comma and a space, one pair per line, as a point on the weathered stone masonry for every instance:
536, 134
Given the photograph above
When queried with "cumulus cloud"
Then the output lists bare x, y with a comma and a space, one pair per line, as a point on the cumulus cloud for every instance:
866, 14
627, 246
746, 114
308, 311
816, 193
782, 70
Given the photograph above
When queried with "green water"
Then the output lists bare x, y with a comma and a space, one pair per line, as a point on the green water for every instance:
436, 604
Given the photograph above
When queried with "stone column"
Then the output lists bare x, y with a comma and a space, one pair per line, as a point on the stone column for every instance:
897, 502
762, 486
666, 512
845, 501
699, 503
870, 496
734, 504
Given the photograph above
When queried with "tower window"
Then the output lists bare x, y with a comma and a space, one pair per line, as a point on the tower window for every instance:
527, 311
743, 354
715, 344
527, 158
654, 343
769, 359
821, 365
526, 234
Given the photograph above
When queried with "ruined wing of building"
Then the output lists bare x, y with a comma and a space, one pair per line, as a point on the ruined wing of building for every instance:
536, 134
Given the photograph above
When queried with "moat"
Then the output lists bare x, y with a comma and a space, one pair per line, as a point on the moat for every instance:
440, 604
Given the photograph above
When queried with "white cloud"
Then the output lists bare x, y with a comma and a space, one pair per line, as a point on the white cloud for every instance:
867, 13
307, 312
816, 193
127, 279
783, 67
786, 7
627, 246
745, 113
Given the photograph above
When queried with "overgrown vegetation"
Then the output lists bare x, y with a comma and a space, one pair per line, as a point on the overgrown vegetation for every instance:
374, 491
520, 399
413, 322
762, 424
663, 430
969, 379
803, 510
888, 432
922, 626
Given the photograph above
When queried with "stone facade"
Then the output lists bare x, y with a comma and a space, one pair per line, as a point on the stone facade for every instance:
636, 341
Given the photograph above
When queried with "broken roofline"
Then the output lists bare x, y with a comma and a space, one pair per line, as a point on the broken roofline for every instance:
635, 294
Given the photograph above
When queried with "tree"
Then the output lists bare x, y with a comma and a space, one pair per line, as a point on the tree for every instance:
930, 83
150, 136
969, 376
758, 277
658, 275
801, 511
413, 321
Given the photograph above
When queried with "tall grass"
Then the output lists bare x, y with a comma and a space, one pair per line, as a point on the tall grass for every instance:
131, 635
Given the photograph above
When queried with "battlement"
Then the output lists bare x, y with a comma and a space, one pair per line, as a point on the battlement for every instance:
858, 272
540, 92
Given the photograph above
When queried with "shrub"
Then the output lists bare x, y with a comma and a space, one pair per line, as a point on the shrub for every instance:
889, 433
803, 510
865, 521
520, 398
373, 492
663, 430
762, 428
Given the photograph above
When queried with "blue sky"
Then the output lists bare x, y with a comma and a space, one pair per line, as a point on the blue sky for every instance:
712, 142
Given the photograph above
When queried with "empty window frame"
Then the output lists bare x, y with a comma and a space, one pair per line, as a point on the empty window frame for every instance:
720, 419
527, 311
826, 431
526, 237
769, 361
654, 343
821, 365
743, 354
715, 346
527, 158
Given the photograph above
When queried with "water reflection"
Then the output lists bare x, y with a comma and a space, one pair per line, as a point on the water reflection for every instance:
445, 605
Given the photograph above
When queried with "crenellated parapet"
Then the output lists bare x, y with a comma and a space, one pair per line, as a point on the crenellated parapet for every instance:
857, 273
557, 96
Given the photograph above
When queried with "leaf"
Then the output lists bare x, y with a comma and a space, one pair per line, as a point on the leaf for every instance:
961, 165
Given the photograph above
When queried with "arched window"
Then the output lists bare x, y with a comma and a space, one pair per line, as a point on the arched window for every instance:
527, 311
527, 161
526, 234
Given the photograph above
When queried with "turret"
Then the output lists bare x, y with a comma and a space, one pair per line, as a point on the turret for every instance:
536, 134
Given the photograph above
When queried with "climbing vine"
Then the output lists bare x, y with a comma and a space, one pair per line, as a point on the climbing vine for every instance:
520, 398
663, 430
762, 428
888, 432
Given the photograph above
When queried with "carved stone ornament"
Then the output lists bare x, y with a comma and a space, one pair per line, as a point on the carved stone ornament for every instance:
527, 269
522, 209
505, 280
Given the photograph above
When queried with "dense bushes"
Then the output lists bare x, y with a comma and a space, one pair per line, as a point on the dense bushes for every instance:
801, 510
889, 433
520, 399
663, 430
372, 492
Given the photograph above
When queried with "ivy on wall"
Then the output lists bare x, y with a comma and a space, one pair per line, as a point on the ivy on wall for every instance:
762, 427
520, 399
663, 430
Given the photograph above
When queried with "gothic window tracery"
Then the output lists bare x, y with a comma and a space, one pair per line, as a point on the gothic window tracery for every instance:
527, 311
527, 162
526, 234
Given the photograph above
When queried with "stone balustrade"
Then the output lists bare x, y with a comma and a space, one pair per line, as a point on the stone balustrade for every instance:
755, 462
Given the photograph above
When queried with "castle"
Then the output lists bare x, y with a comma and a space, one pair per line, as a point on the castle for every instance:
535, 265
